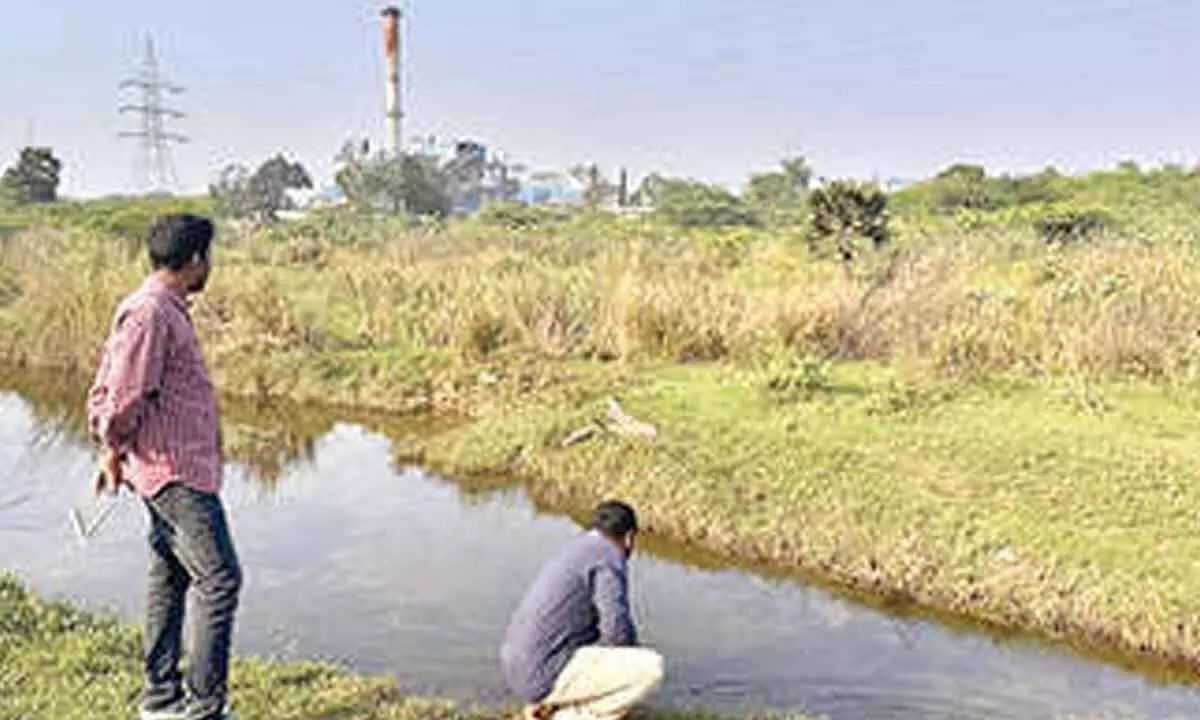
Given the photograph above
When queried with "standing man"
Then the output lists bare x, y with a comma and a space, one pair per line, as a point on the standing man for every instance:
153, 411
571, 647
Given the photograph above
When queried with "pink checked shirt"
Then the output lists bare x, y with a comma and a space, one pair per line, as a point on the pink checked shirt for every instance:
152, 398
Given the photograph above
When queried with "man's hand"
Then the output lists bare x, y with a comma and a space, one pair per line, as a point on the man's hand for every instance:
108, 474
539, 712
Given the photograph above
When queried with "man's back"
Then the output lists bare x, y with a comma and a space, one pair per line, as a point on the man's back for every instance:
579, 598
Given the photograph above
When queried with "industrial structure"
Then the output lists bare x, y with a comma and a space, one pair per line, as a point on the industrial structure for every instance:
473, 174
155, 170
394, 99
550, 187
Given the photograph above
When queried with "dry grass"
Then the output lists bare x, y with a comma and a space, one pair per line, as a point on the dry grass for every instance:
281, 322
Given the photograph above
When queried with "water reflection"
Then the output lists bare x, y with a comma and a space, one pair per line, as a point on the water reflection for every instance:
353, 559
263, 443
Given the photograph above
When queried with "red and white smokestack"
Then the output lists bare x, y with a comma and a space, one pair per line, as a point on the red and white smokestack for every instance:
391, 47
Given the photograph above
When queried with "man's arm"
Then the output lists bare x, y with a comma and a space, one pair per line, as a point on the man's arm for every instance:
611, 597
134, 377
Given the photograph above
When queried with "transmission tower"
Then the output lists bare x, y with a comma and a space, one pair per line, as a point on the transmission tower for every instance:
155, 169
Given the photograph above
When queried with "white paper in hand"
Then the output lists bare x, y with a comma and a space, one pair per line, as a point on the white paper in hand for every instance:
90, 511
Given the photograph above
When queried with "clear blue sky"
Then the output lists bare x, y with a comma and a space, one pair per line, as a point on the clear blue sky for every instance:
698, 87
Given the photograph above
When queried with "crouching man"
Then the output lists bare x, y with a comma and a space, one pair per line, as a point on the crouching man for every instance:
570, 650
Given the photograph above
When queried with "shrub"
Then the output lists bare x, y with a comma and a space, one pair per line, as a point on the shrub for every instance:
846, 209
1065, 224
517, 216
695, 204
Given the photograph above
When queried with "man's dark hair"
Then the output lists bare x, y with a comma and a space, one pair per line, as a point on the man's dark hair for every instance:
176, 238
614, 518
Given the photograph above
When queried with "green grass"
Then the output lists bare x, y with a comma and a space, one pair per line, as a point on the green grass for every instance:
1046, 506
60, 663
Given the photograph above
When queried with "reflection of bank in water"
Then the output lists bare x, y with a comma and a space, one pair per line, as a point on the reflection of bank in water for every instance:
266, 442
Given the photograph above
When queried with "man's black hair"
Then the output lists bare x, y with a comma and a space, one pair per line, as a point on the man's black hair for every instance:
614, 518
177, 238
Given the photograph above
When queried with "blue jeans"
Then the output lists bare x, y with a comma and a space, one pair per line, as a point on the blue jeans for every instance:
190, 548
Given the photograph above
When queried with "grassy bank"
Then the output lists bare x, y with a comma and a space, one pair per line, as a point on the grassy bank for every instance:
60, 663
1015, 502
976, 423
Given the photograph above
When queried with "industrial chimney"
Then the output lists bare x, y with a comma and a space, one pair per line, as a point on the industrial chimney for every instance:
391, 46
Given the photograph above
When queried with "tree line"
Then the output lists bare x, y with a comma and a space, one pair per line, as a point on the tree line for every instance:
841, 213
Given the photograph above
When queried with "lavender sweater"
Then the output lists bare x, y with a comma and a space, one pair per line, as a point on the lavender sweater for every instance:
580, 597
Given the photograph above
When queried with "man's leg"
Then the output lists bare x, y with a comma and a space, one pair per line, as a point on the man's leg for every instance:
605, 683
166, 595
201, 541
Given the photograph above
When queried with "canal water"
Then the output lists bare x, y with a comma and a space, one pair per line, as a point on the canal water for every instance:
353, 558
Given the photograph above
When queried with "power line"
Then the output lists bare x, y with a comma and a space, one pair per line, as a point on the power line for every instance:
155, 168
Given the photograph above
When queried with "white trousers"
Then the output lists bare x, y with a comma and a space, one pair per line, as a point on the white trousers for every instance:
603, 683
